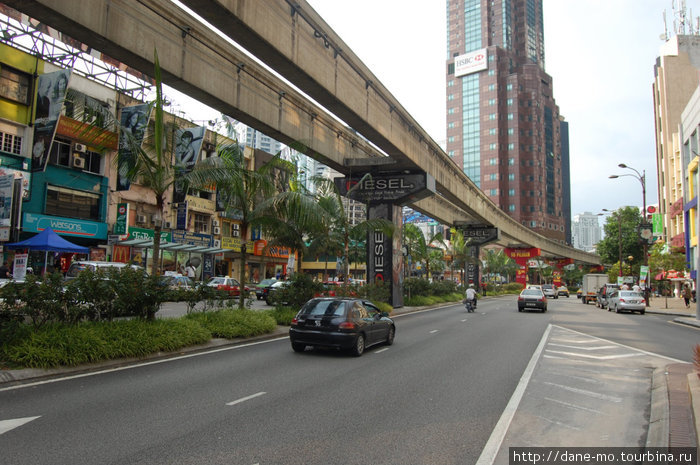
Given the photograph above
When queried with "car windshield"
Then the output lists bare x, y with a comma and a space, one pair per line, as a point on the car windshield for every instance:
217, 281
324, 307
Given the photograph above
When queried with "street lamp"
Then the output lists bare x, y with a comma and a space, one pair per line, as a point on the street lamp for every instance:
642, 178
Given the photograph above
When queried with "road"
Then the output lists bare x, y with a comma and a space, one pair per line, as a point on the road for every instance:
455, 388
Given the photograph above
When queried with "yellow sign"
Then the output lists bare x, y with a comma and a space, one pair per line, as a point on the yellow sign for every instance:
233, 243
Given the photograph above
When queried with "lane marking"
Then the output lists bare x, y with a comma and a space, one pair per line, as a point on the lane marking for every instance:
243, 399
585, 392
558, 423
583, 348
493, 445
434, 331
7, 425
138, 365
597, 357
573, 406
381, 350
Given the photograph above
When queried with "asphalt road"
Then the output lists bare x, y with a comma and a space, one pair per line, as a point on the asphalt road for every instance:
439, 395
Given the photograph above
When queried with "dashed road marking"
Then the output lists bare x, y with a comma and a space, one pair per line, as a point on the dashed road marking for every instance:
243, 399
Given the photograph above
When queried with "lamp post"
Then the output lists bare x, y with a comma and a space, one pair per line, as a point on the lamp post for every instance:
642, 178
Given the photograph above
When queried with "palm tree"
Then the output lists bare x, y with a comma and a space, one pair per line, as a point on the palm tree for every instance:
244, 192
459, 251
418, 247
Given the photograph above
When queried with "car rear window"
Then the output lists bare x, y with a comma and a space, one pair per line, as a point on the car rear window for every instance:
630, 294
324, 308
532, 292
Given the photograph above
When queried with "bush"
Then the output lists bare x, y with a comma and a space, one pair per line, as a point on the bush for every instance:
230, 324
58, 344
301, 288
282, 314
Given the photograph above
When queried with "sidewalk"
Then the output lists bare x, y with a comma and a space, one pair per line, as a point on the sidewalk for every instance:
674, 306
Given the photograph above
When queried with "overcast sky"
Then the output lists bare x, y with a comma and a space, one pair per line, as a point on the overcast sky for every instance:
600, 53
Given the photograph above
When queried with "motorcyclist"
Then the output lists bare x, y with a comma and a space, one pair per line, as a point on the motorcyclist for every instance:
470, 296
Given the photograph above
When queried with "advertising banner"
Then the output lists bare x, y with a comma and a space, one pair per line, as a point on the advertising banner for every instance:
19, 271
51, 93
120, 226
188, 145
7, 184
471, 62
133, 124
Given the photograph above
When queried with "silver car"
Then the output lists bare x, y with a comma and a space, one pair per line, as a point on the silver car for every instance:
626, 301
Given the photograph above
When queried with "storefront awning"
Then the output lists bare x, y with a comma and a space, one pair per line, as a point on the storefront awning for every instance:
173, 246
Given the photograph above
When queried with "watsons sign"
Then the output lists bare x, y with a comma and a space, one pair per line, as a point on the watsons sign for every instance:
471, 62
67, 226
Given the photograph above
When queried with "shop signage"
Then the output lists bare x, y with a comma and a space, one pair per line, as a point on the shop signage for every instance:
522, 254
33, 222
398, 188
120, 226
231, 243
186, 237
197, 203
147, 234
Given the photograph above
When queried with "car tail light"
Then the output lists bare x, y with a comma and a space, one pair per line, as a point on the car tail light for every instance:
347, 325
294, 321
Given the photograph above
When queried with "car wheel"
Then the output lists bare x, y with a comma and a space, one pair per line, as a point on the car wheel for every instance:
617, 310
642, 312
359, 347
544, 309
520, 309
390, 336
298, 347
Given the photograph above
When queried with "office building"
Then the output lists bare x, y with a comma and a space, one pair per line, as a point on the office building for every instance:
503, 124
586, 231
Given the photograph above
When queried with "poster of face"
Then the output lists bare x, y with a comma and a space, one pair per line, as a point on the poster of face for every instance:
188, 145
6, 189
134, 121
51, 93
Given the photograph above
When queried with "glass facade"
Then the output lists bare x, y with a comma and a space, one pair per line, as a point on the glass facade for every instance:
471, 162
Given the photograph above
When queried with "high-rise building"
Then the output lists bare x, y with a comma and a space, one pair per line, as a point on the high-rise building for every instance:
586, 232
503, 125
675, 79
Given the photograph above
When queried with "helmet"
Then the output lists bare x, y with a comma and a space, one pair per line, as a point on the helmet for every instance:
471, 285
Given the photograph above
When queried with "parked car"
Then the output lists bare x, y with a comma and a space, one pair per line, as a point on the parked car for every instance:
272, 289
532, 299
94, 265
340, 323
228, 285
604, 293
550, 291
563, 290
260, 287
177, 282
626, 301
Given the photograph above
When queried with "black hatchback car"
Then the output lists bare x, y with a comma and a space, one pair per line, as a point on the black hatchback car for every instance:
341, 323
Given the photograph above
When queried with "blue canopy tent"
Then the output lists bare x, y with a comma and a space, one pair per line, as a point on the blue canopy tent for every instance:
48, 241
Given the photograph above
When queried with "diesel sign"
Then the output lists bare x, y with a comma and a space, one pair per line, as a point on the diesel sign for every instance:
396, 188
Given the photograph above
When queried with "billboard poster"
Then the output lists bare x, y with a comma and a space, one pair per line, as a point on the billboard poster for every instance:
471, 62
120, 226
7, 184
19, 270
51, 93
188, 145
133, 124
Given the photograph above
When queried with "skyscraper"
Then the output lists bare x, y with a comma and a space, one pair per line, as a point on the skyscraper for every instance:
503, 125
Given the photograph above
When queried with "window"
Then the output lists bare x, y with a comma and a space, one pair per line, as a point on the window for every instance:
493, 131
71, 203
510, 116
93, 162
493, 146
201, 223
14, 85
511, 192
451, 125
511, 207
492, 101
511, 146
60, 153
10, 143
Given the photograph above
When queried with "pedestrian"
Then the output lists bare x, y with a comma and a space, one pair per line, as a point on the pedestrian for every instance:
687, 295
4, 271
190, 270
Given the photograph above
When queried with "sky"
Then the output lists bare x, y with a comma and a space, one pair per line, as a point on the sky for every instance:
600, 54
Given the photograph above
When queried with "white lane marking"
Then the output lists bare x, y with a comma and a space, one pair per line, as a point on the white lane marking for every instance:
675, 360
243, 399
585, 392
573, 406
7, 425
381, 350
464, 320
488, 455
434, 331
558, 423
583, 348
597, 357
137, 365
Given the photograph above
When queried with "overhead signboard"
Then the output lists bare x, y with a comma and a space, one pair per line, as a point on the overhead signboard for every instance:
396, 188
478, 234
471, 62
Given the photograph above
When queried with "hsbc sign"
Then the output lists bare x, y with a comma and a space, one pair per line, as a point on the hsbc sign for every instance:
471, 62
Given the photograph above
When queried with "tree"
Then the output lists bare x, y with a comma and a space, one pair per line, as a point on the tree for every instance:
622, 237
498, 263
244, 192
418, 247
459, 249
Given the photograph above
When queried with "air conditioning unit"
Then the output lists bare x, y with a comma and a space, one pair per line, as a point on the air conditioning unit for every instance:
235, 226
217, 243
215, 223
140, 218
154, 218
167, 225
79, 148
235, 233
217, 230
78, 161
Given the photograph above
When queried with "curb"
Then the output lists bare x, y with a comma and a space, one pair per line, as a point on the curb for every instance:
658, 433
